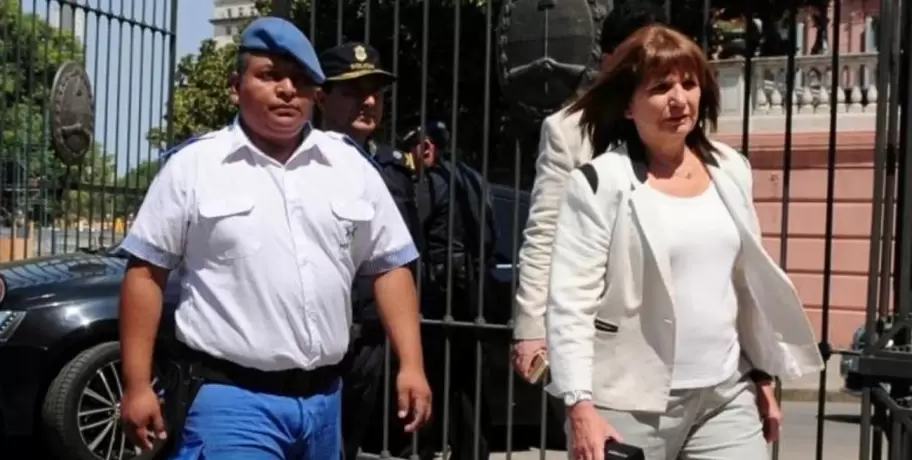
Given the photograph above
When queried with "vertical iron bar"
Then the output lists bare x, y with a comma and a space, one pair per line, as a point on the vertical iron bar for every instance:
904, 235
95, 152
107, 84
280, 8
4, 56
104, 194
340, 16
485, 155
835, 87
119, 76
148, 178
139, 116
787, 158
313, 23
130, 95
451, 222
885, 42
890, 188
705, 27
425, 38
892, 99
173, 55
367, 21
747, 109
514, 282
25, 155
543, 396
44, 167
394, 114
77, 194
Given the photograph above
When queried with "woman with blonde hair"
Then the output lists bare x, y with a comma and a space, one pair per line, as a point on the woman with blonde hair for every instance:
664, 308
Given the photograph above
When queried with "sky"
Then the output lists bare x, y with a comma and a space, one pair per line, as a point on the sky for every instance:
127, 64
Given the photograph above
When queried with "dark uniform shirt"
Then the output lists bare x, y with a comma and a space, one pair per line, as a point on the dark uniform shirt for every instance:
398, 172
434, 206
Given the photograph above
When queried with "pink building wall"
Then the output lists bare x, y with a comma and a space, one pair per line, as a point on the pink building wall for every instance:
854, 23
853, 190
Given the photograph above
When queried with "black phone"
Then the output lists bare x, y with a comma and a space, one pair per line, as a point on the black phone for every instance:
619, 451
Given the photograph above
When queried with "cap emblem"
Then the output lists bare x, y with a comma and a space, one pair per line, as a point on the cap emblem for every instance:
360, 53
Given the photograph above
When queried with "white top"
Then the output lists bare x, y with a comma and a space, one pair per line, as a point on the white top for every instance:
271, 250
703, 244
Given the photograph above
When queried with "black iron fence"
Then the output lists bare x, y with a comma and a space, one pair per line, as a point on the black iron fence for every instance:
68, 180
476, 66
789, 70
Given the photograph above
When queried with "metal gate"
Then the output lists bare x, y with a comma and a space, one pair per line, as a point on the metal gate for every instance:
829, 150
70, 181
824, 144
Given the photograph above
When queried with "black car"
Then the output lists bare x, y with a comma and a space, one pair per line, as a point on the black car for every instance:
60, 377
59, 347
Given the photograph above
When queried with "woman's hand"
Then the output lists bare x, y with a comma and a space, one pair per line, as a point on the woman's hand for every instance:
590, 432
770, 413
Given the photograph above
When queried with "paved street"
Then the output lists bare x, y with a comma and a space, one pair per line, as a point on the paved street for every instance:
800, 434
841, 433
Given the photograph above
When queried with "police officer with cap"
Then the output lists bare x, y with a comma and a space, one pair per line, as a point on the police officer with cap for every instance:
272, 220
351, 102
450, 256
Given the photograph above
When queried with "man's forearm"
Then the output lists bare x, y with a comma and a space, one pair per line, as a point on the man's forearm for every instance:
397, 304
140, 314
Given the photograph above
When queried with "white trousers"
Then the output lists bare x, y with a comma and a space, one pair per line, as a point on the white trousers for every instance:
717, 423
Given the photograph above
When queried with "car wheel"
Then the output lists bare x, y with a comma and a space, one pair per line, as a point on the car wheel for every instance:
81, 411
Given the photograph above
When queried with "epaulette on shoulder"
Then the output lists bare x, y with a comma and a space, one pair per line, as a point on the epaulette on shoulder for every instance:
591, 176
167, 154
351, 142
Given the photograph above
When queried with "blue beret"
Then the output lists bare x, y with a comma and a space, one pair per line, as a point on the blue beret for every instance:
278, 36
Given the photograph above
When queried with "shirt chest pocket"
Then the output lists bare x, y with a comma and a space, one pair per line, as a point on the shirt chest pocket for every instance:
229, 229
352, 219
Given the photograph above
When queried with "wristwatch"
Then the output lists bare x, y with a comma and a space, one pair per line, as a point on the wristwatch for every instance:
571, 398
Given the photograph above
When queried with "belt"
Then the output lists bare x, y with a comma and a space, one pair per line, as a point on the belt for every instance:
292, 382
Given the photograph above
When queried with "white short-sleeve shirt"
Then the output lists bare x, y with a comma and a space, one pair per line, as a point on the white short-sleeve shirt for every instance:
270, 250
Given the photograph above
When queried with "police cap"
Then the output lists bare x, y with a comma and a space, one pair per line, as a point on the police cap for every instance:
436, 131
353, 60
278, 36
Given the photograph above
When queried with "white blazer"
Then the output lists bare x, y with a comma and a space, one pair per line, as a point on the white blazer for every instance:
610, 314
562, 147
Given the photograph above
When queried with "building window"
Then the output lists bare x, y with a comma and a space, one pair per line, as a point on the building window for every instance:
241, 12
229, 12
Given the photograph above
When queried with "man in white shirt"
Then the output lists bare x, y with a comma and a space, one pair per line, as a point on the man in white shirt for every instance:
272, 220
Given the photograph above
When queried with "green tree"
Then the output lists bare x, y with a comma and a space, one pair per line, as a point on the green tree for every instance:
133, 182
201, 94
33, 181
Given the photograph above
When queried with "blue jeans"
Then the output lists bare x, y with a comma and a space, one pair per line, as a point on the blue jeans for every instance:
230, 423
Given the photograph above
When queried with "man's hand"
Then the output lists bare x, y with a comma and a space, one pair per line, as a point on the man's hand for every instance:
589, 432
142, 417
524, 351
769, 410
414, 398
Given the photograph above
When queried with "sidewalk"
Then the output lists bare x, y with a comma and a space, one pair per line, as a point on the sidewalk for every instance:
808, 387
